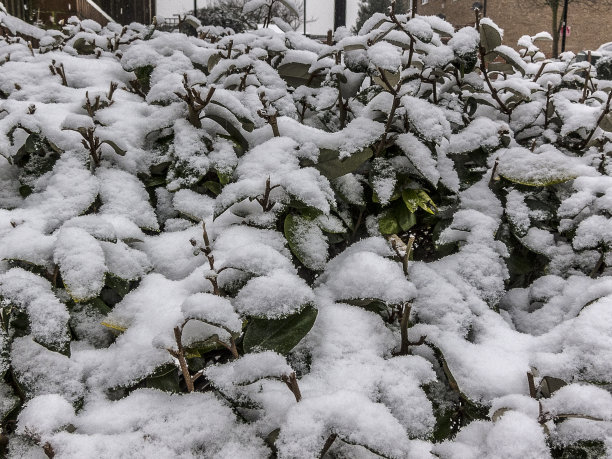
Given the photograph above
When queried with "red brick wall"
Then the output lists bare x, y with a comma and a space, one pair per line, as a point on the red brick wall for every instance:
591, 23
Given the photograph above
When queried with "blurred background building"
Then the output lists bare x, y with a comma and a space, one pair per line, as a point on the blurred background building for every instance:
589, 21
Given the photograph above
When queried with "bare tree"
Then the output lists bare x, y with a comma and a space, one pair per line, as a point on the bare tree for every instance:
557, 6
228, 13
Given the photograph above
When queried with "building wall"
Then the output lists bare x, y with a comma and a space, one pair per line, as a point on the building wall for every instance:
590, 23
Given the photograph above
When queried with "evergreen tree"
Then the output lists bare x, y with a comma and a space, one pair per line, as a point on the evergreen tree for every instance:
368, 7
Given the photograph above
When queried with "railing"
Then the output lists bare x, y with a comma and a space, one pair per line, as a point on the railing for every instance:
16, 8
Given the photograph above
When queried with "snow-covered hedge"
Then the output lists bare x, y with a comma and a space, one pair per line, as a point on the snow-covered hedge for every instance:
244, 245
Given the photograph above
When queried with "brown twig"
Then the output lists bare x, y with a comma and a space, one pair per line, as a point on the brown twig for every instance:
394, 106
59, 70
605, 111
532, 387
598, 265
179, 354
271, 118
328, 443
483, 69
194, 101
292, 384
264, 201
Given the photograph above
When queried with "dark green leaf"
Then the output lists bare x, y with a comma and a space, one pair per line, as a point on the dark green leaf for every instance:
165, 378
114, 146
387, 224
490, 37
280, 335
83, 46
232, 130
331, 166
550, 385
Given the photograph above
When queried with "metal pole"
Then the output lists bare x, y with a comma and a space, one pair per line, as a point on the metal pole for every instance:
564, 26
195, 8
304, 17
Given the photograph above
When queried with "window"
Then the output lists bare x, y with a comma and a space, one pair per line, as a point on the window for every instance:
424, 2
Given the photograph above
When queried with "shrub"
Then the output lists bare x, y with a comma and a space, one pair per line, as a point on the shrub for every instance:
254, 244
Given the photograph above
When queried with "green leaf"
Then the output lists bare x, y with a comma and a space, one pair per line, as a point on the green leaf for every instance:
213, 60
165, 378
115, 147
606, 123
550, 385
415, 199
279, 335
392, 77
387, 224
213, 187
83, 46
232, 130
512, 60
247, 124
302, 234
538, 182
490, 37
9, 401
501, 67
143, 75
295, 73
332, 166
405, 218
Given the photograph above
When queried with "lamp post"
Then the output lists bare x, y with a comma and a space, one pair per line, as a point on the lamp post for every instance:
564, 26
195, 8
304, 17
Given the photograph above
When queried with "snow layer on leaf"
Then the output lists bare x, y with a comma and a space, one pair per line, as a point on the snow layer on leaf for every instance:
125, 262
352, 416
194, 205
253, 250
147, 313
385, 56
277, 159
366, 275
587, 400
81, 262
58, 413
593, 232
429, 120
27, 244
514, 436
46, 372
419, 155
247, 370
465, 40
96, 225
125, 428
213, 310
171, 254
69, 192
48, 317
517, 210
481, 132
123, 194
278, 294
541, 168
